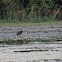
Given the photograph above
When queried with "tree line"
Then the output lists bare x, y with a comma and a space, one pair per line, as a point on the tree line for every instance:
30, 10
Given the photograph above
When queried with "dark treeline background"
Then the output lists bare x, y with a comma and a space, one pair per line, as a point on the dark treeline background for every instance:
30, 10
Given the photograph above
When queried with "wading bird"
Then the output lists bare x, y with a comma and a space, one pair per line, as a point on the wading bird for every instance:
19, 33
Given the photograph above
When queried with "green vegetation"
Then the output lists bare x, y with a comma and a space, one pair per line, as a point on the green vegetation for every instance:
26, 41
29, 24
30, 10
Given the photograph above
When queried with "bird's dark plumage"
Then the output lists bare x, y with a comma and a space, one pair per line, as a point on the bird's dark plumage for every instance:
19, 33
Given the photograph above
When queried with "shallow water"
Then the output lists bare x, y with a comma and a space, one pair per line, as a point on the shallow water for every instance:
33, 31
33, 34
30, 35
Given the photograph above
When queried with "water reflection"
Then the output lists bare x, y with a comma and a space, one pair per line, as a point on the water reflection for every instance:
20, 41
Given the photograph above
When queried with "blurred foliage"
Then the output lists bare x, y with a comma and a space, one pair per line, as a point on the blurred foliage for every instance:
30, 10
